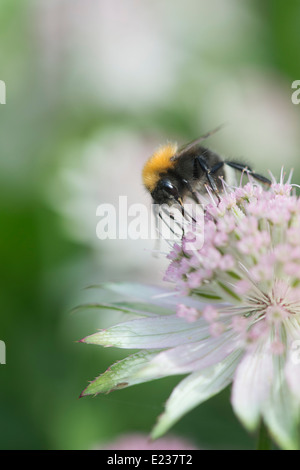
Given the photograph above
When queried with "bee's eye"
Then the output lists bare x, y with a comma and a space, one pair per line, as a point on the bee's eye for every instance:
168, 186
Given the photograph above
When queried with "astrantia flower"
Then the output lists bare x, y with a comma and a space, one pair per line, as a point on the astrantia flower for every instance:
236, 316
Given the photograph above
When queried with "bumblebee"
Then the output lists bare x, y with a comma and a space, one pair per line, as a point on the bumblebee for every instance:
172, 174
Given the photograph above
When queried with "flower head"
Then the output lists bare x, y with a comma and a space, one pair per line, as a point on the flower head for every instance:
236, 317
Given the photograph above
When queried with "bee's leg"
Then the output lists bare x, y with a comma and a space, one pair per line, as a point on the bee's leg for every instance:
216, 167
183, 216
171, 217
190, 189
247, 169
208, 172
182, 211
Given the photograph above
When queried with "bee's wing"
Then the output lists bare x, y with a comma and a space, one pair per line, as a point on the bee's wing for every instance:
195, 143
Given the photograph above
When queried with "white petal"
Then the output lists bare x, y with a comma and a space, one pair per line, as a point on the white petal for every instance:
292, 367
151, 294
195, 389
292, 374
281, 410
251, 386
191, 357
131, 308
155, 332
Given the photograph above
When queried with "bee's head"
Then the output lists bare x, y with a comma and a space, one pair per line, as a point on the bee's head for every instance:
166, 192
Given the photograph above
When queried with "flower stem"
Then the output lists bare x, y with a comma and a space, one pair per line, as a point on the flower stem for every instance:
264, 441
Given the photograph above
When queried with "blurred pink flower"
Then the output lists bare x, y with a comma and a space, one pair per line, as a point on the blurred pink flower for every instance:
137, 441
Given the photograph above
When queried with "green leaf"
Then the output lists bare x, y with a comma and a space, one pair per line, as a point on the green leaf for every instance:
121, 374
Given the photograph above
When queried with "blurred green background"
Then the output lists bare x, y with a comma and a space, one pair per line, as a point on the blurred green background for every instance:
93, 86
